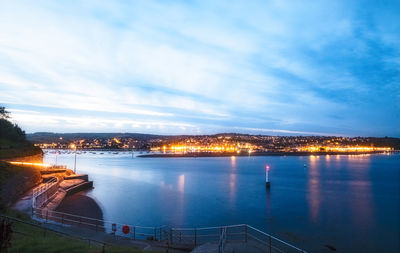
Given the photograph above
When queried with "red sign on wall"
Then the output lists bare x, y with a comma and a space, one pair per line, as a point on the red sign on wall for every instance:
125, 229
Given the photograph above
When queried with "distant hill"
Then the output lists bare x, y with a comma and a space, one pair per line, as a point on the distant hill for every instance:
40, 137
145, 139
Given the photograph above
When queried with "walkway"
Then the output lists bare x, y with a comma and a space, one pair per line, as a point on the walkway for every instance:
237, 247
25, 203
109, 238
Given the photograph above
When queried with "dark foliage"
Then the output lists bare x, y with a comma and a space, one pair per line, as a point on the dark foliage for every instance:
3, 113
11, 131
5, 235
13, 141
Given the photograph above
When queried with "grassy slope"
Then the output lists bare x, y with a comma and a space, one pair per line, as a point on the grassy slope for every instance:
11, 149
27, 238
15, 181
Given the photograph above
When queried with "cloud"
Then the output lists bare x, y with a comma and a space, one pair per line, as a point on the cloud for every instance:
211, 65
92, 124
282, 131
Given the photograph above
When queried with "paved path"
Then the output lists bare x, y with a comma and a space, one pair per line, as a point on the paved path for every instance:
236, 247
67, 184
108, 238
25, 203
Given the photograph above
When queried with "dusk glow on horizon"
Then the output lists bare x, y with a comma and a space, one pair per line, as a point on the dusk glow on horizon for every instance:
202, 67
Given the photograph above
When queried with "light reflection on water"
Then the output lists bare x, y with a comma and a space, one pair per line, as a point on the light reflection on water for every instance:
232, 181
350, 202
314, 188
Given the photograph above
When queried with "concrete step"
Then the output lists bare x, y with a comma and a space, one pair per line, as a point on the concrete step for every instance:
67, 184
80, 187
77, 176
51, 171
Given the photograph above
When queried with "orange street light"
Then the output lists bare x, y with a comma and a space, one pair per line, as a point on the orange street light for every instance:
73, 146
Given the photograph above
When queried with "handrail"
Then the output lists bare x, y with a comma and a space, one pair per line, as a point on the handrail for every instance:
94, 219
50, 229
183, 235
38, 190
273, 237
205, 228
190, 235
222, 241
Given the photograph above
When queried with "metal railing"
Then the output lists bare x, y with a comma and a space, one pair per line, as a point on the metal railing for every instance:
269, 242
222, 241
43, 187
41, 194
39, 225
242, 233
180, 237
135, 232
197, 236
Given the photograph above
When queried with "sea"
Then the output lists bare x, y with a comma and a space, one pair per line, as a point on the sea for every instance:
348, 202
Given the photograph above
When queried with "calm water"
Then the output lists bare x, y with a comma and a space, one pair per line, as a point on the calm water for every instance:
350, 202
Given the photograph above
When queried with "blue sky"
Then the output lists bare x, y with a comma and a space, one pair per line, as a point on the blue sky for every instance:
201, 67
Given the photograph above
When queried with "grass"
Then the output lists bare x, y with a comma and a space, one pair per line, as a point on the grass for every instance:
51, 242
7, 170
28, 238
11, 149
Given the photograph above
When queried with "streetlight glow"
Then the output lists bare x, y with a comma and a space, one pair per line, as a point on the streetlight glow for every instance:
73, 146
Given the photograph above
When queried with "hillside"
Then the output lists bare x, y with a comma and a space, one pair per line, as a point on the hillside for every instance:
15, 181
13, 142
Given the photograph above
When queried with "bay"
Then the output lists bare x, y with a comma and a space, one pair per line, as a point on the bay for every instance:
349, 202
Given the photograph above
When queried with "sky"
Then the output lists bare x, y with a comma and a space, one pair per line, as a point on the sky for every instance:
202, 67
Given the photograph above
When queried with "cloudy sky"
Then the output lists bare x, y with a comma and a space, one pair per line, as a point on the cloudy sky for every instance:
199, 67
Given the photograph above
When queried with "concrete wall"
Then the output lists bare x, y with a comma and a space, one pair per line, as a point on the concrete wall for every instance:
81, 187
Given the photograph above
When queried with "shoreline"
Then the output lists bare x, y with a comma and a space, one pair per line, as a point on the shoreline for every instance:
171, 155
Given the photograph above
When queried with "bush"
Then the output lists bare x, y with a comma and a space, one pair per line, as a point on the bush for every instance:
11, 131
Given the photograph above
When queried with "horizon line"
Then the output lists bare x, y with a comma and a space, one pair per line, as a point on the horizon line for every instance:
219, 133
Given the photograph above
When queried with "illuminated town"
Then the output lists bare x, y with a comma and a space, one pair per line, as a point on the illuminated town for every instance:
219, 143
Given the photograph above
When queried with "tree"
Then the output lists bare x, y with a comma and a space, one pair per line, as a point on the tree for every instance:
3, 113
8, 130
